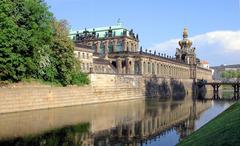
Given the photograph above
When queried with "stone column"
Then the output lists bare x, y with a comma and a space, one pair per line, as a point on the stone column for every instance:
115, 45
146, 68
155, 68
150, 66
131, 128
170, 70
150, 126
132, 67
106, 49
119, 131
146, 128
155, 124
142, 128
127, 66
167, 71
141, 67
98, 46
119, 65
130, 46
162, 70
124, 44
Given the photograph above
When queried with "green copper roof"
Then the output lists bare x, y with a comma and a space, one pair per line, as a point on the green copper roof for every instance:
101, 31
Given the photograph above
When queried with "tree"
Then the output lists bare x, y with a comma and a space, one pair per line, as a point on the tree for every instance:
67, 66
63, 48
238, 74
25, 38
223, 74
35, 45
229, 74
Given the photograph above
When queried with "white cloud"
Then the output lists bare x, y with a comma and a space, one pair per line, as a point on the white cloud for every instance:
226, 41
211, 46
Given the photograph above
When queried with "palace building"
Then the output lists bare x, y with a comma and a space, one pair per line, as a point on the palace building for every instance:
116, 50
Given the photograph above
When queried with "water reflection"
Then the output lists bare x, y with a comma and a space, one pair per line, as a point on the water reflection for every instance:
120, 123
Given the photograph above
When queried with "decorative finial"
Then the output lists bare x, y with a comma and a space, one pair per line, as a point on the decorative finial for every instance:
185, 32
119, 20
119, 23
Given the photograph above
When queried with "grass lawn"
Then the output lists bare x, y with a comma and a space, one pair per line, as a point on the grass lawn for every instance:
224, 130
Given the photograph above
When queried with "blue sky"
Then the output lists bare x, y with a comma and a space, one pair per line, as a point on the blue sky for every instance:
214, 25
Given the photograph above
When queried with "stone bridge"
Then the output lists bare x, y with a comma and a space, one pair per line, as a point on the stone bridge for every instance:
216, 85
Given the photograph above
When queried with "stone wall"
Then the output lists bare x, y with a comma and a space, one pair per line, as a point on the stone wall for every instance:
166, 88
103, 88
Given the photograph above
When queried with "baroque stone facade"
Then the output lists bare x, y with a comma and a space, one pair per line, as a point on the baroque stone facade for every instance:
85, 55
116, 50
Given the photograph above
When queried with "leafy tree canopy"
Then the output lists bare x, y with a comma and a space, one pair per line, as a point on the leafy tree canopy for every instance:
35, 45
228, 74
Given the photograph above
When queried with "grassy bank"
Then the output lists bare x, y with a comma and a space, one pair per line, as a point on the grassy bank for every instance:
224, 130
79, 80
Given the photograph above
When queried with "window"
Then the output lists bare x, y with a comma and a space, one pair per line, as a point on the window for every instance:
83, 66
153, 68
87, 56
110, 47
79, 54
94, 47
87, 66
83, 55
146, 68
149, 67
102, 48
119, 46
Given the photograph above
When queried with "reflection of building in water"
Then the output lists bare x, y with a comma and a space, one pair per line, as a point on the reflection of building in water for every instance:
136, 127
181, 118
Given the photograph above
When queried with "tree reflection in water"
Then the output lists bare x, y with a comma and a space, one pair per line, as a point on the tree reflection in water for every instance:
67, 136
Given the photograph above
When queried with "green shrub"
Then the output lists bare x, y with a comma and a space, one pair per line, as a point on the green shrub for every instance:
80, 79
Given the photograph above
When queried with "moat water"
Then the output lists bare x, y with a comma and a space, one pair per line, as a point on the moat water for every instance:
133, 123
